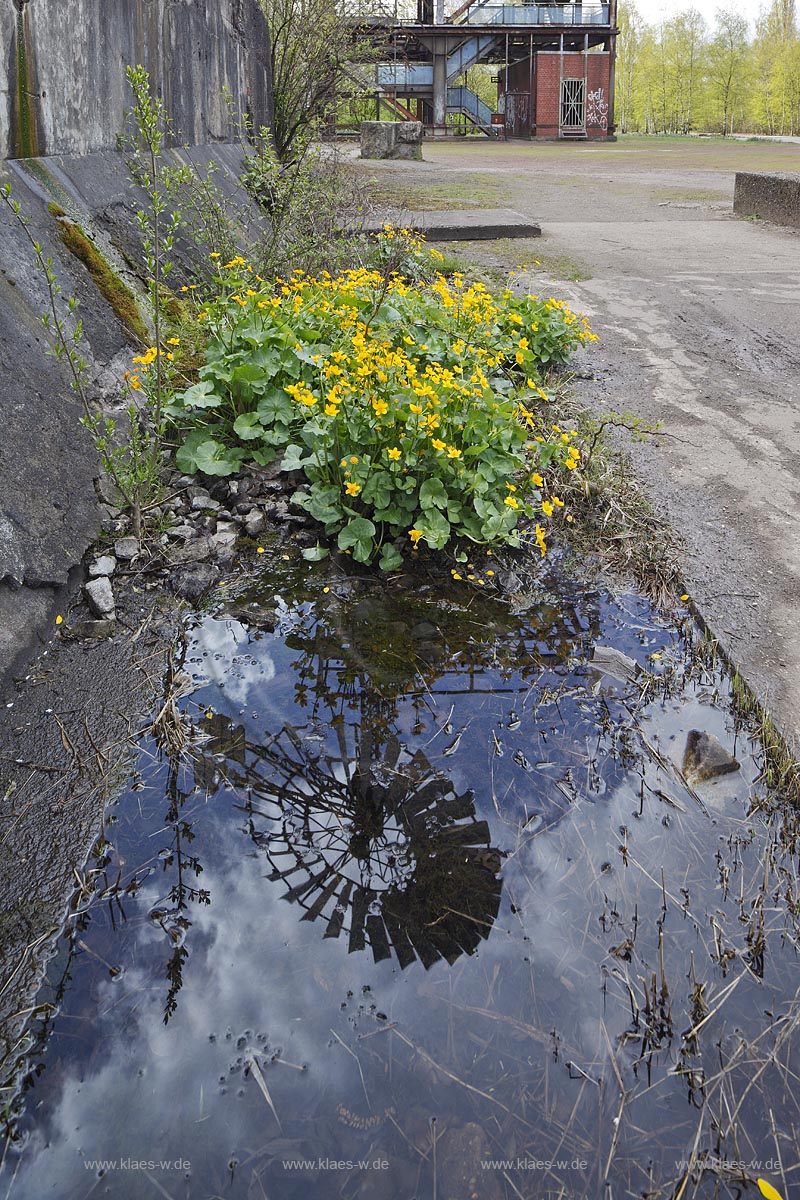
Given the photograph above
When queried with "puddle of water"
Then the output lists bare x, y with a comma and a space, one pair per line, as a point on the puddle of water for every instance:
426, 895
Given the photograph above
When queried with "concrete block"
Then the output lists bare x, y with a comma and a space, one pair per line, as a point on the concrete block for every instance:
391, 139
773, 197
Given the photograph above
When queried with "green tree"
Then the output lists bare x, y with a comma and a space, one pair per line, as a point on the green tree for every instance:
311, 43
628, 76
728, 63
777, 64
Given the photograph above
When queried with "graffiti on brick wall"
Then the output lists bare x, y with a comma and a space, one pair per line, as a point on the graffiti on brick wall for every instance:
597, 108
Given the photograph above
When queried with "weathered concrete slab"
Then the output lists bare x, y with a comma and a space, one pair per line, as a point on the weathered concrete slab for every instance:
471, 225
49, 510
774, 197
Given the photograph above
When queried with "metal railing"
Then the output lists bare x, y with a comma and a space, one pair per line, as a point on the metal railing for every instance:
536, 14
400, 76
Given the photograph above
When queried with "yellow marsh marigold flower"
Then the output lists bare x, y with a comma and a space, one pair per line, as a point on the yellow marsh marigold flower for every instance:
173, 341
381, 408
415, 535
558, 503
511, 502
438, 444
453, 453
394, 453
537, 480
353, 459
540, 542
415, 408
352, 489
216, 254
547, 508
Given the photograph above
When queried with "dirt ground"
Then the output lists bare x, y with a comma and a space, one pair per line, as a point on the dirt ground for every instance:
698, 314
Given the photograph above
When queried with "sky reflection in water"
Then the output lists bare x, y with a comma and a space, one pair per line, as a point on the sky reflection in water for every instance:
411, 871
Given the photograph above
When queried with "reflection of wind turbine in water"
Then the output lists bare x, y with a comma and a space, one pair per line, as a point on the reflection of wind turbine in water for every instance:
367, 836
374, 842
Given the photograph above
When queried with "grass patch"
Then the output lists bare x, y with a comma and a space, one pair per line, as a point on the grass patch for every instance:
608, 518
471, 191
781, 769
700, 195
115, 291
515, 255
559, 266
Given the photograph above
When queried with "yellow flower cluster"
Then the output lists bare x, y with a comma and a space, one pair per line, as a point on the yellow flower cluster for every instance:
143, 362
421, 394
301, 394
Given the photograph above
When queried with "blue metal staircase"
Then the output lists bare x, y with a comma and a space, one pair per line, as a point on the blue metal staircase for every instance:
464, 100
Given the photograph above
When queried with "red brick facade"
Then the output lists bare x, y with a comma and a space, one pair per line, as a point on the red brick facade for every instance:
543, 78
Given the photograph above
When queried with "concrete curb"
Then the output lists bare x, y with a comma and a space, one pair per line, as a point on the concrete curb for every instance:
465, 226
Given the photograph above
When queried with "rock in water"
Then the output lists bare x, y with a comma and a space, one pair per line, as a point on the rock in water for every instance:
614, 663
101, 598
461, 1154
706, 758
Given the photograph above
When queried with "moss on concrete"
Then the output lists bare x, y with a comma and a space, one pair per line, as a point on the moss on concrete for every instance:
25, 131
117, 293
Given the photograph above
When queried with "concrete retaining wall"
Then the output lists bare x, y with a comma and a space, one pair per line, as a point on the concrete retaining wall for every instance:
62, 69
773, 197
49, 511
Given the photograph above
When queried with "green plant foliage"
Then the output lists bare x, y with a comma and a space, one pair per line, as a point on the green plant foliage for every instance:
412, 408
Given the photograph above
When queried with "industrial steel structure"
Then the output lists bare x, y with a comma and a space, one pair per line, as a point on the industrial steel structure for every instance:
555, 66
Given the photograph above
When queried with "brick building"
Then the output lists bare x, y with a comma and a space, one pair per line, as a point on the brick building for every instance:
554, 94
